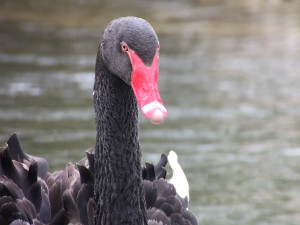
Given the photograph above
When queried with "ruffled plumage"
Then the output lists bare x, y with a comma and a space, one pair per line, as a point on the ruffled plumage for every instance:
66, 196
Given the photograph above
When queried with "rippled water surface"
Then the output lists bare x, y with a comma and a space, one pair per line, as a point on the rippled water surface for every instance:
229, 77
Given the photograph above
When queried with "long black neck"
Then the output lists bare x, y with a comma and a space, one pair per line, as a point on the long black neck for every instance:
118, 191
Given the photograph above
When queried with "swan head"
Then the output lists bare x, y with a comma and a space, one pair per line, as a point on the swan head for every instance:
130, 50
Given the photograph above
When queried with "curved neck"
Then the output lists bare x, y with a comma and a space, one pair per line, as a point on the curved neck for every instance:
118, 191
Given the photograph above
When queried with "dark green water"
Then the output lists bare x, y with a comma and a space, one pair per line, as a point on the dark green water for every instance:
229, 77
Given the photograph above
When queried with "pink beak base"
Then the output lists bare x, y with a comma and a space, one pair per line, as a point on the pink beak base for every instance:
144, 81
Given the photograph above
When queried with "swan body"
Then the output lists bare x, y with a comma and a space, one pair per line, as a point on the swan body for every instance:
66, 196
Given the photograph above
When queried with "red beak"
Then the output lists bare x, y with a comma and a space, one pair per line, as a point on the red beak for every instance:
144, 83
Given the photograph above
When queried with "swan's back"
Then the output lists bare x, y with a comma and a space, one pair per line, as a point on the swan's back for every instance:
66, 196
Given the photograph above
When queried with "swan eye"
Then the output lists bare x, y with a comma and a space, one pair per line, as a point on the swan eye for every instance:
158, 46
124, 46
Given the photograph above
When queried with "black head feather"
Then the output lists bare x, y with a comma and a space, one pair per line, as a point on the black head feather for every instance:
137, 34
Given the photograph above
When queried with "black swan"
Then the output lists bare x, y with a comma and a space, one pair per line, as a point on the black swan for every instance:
110, 186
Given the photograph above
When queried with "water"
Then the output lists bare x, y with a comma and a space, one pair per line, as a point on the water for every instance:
229, 77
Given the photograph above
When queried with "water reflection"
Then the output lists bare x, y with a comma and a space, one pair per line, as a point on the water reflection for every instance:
228, 76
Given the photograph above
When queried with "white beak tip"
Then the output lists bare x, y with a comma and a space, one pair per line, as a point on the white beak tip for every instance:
158, 116
155, 112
